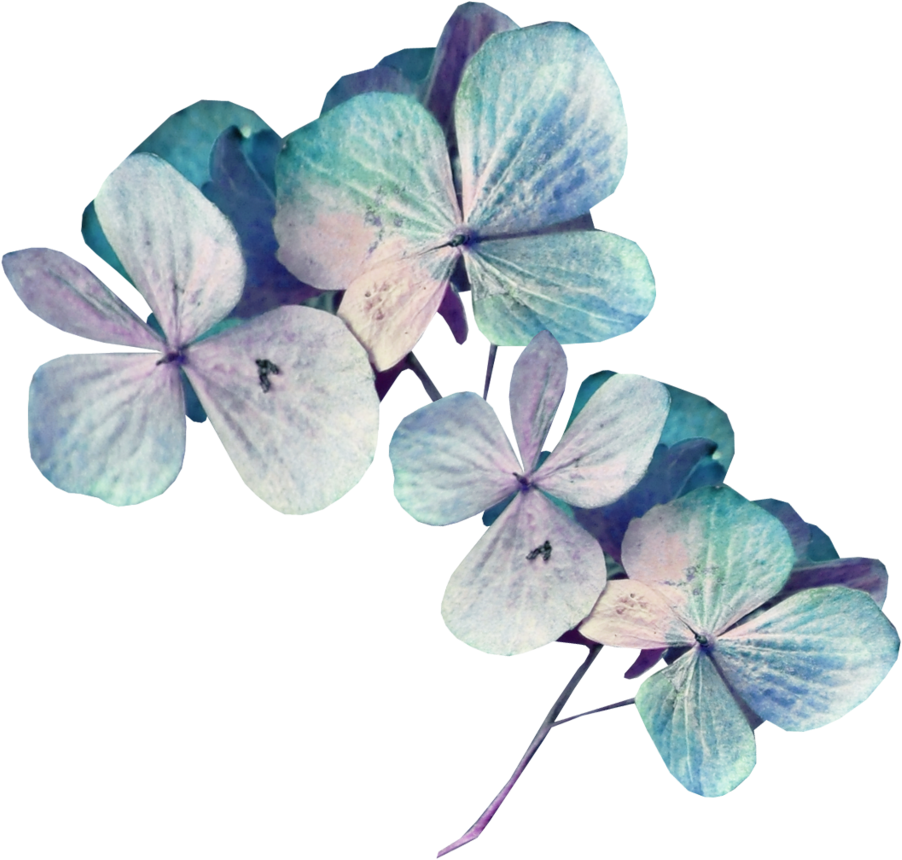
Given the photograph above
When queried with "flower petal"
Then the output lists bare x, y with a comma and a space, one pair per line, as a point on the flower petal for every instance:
367, 182
864, 574
540, 128
697, 726
811, 658
291, 395
452, 460
607, 449
452, 311
713, 554
64, 293
389, 306
532, 576
379, 79
630, 614
583, 286
179, 249
537, 385
111, 426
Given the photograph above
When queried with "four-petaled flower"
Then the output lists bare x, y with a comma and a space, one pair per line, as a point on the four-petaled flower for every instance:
700, 567
535, 573
290, 393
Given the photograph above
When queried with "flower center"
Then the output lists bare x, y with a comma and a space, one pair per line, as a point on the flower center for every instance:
461, 236
176, 355
522, 480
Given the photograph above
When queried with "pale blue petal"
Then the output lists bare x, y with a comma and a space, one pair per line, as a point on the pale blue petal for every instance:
811, 658
537, 385
531, 577
367, 182
697, 726
583, 286
540, 128
864, 574
715, 555
111, 426
452, 460
609, 446
180, 250
290, 394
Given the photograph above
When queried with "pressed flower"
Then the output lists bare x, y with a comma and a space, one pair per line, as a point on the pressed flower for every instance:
535, 573
290, 393
367, 201
699, 570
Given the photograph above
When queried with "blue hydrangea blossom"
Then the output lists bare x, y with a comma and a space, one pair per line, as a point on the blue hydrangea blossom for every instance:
367, 202
535, 573
290, 394
700, 570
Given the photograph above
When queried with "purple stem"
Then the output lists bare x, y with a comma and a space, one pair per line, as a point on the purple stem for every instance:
428, 384
550, 722
493, 350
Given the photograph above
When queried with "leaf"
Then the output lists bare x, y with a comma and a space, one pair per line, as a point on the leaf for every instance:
811, 658
506, 598
110, 426
697, 726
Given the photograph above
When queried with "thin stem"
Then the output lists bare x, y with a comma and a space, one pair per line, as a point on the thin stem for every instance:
541, 734
596, 711
493, 350
428, 384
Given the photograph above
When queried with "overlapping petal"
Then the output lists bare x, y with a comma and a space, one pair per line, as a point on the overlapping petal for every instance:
540, 128
290, 395
179, 249
811, 658
583, 286
111, 426
532, 576
607, 449
864, 574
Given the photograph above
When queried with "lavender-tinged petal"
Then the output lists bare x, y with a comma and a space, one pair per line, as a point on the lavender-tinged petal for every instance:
540, 128
451, 460
537, 386
180, 250
97, 241
712, 553
533, 575
243, 196
110, 426
452, 311
668, 477
389, 306
811, 658
607, 449
291, 396
385, 379
630, 614
365, 183
464, 34
648, 657
799, 531
583, 286
697, 726
380, 79
864, 574
64, 293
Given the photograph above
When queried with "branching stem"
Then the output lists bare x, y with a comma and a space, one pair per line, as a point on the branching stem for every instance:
493, 351
428, 384
548, 724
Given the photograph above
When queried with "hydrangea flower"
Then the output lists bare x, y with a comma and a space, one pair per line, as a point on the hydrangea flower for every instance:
366, 201
535, 573
700, 568
290, 393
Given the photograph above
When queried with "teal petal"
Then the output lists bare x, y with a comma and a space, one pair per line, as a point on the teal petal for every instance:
97, 241
581, 286
697, 726
540, 128
811, 658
